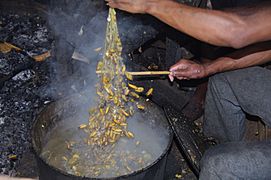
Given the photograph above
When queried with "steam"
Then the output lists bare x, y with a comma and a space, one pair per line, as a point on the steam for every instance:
80, 26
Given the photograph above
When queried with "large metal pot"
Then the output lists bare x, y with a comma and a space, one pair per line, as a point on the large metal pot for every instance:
56, 112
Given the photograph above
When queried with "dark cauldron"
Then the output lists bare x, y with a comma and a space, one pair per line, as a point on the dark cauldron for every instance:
57, 111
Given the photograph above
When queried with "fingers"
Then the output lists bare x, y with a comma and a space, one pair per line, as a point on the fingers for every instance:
113, 3
171, 77
192, 71
181, 65
183, 75
175, 68
190, 74
178, 75
119, 4
118, 1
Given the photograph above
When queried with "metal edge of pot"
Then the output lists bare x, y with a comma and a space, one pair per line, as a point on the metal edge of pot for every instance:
64, 173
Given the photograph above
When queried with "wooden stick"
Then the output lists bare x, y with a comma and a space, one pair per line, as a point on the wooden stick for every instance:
144, 73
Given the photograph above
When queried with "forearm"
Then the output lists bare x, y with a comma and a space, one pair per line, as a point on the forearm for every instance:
221, 28
227, 63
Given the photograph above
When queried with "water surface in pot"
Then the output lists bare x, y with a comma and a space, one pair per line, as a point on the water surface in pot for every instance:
65, 147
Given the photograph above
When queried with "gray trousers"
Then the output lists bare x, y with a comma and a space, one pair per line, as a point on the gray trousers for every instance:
229, 96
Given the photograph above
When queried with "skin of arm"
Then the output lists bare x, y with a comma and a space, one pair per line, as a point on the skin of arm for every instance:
227, 63
235, 28
250, 56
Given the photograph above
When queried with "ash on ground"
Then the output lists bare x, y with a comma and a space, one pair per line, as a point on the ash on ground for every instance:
23, 85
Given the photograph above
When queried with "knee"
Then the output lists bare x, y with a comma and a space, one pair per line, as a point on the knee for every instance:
212, 165
221, 161
209, 163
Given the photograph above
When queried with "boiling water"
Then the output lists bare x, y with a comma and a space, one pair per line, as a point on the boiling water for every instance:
66, 149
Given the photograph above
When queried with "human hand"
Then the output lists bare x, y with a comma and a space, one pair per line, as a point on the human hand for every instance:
186, 69
132, 6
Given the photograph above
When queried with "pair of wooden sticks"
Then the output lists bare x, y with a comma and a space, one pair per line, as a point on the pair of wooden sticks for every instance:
144, 73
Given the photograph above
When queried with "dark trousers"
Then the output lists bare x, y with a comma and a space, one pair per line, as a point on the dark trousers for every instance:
229, 96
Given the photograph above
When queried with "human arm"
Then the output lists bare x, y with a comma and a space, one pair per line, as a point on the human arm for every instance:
250, 56
236, 28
